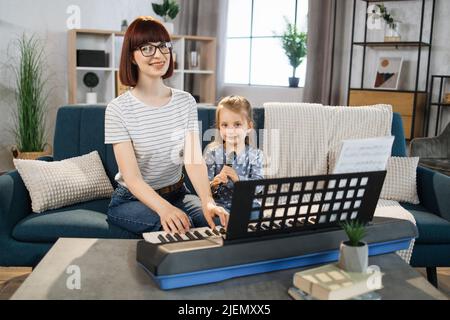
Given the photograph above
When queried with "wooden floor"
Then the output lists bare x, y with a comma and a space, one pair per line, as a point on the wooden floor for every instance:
12, 278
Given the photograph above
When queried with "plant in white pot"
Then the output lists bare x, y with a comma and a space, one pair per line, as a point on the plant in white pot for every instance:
354, 253
31, 99
168, 10
294, 45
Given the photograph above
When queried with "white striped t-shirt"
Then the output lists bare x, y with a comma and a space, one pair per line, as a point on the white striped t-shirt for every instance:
157, 133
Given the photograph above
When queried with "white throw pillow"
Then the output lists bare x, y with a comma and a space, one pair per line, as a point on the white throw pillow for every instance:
400, 183
61, 183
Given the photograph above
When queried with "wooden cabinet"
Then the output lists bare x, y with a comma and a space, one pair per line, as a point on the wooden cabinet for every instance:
200, 82
402, 102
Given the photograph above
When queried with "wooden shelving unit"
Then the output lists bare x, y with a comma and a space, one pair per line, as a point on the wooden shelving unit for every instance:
411, 104
111, 42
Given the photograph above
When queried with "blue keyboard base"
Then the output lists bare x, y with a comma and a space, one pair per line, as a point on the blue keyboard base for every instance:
219, 274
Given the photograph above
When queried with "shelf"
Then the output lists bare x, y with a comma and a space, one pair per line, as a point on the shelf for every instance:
89, 104
443, 104
199, 71
96, 69
111, 42
386, 90
392, 44
385, 0
410, 103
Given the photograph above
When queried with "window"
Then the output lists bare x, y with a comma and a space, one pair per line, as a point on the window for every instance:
254, 53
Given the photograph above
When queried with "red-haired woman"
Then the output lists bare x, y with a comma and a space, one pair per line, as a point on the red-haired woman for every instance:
154, 131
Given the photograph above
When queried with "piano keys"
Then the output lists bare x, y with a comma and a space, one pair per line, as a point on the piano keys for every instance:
162, 237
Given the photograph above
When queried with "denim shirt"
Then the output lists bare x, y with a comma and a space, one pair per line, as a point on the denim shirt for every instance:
248, 166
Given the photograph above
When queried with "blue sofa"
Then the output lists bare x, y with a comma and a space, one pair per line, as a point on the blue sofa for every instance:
26, 237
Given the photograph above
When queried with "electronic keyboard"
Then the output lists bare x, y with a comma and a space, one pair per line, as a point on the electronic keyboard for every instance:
299, 225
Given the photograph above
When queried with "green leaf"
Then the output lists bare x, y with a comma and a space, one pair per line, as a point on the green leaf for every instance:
173, 12
169, 8
355, 231
158, 9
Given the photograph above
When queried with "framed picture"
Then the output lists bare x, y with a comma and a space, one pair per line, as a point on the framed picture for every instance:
388, 73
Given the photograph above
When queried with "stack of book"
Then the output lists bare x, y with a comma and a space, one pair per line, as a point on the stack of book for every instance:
329, 282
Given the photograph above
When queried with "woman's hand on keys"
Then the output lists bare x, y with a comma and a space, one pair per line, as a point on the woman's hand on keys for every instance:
174, 220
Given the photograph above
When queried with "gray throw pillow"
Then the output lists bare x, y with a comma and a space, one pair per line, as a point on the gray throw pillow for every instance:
61, 183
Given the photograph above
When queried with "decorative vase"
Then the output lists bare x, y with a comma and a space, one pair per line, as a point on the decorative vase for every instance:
293, 82
91, 97
392, 32
169, 27
124, 26
354, 258
17, 154
194, 60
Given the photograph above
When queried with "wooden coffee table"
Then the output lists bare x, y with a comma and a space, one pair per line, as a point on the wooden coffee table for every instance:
108, 270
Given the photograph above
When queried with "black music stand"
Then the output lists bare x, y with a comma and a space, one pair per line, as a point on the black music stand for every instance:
302, 204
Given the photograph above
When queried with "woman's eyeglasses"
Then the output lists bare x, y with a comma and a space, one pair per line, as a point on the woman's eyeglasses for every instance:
149, 50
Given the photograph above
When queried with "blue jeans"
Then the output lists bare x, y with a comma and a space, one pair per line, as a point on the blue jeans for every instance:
127, 212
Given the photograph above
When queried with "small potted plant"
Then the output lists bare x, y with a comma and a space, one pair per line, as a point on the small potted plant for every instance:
31, 100
168, 10
392, 26
354, 253
294, 45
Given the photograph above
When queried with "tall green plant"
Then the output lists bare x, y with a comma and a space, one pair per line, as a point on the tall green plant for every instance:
168, 9
294, 44
30, 96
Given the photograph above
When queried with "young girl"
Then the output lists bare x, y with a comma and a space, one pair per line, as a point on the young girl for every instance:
154, 131
232, 159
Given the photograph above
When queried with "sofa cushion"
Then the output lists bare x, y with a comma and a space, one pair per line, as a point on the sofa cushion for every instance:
432, 228
87, 220
400, 183
62, 183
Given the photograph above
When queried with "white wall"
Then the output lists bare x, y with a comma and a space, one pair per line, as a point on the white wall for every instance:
47, 18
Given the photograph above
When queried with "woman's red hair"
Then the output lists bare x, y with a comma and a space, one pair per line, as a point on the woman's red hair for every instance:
143, 30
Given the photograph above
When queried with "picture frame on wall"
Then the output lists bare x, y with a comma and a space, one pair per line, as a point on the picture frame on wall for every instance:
388, 73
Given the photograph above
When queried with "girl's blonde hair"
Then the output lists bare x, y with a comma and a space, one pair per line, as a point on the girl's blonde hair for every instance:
237, 104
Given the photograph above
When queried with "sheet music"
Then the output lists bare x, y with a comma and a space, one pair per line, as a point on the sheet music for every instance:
364, 155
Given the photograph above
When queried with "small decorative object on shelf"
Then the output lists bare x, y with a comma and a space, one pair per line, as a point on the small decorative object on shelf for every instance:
354, 253
194, 60
447, 98
294, 45
392, 27
91, 80
175, 62
392, 32
168, 10
124, 25
388, 73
